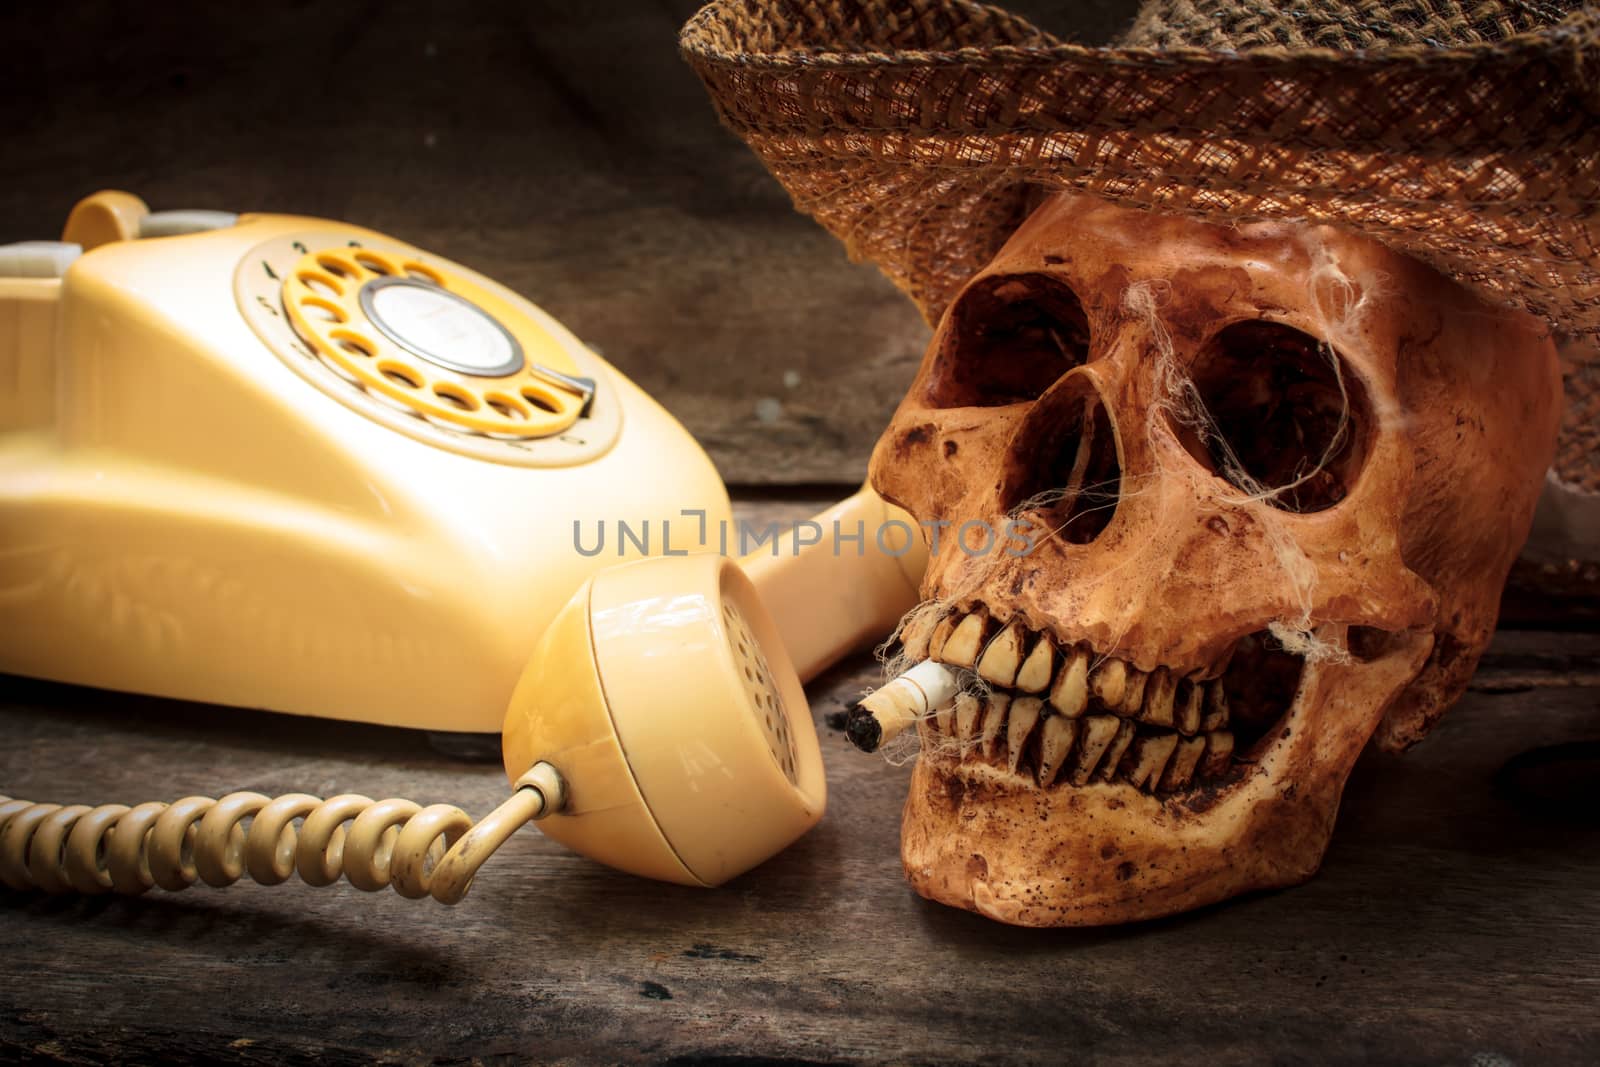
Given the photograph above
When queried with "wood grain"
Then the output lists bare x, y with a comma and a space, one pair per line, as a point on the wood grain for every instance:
1453, 920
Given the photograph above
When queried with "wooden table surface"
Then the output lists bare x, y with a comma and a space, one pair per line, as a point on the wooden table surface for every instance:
1456, 918
1451, 923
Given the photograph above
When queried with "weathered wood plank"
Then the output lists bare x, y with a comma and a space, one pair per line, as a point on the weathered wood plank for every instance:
1525, 659
1546, 594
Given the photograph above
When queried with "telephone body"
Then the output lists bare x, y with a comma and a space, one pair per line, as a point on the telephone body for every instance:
292, 464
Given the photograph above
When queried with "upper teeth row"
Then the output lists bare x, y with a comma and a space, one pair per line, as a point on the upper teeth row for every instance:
1014, 658
1074, 750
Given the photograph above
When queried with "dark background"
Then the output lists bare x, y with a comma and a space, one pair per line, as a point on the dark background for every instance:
562, 148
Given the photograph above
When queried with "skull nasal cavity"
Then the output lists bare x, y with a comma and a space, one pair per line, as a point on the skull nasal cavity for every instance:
1063, 474
1007, 340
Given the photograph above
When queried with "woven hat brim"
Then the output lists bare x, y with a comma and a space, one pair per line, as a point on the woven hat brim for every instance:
920, 133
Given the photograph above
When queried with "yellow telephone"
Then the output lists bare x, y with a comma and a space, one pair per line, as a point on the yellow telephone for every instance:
285, 463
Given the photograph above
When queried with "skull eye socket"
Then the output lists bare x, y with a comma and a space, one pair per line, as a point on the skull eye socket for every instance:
1280, 414
1007, 340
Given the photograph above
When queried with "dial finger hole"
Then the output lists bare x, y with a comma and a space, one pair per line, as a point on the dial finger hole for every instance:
374, 263
422, 272
354, 343
508, 407
456, 396
541, 399
321, 309
323, 285
401, 375
339, 268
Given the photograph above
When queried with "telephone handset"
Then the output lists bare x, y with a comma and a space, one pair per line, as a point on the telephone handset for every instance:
343, 485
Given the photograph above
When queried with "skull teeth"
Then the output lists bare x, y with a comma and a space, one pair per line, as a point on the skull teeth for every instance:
1075, 678
1216, 712
1180, 767
1190, 712
1148, 758
1111, 682
1069, 716
1070, 694
1218, 754
917, 635
1112, 760
968, 713
1024, 732
1160, 691
1038, 668
995, 714
1054, 745
1003, 657
1024, 716
1098, 733
960, 649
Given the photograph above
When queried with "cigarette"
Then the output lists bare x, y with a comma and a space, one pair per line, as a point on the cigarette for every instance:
880, 716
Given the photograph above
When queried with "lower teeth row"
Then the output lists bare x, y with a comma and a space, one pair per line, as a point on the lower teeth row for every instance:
1054, 749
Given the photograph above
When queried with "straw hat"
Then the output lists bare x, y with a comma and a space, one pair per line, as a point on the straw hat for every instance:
1466, 134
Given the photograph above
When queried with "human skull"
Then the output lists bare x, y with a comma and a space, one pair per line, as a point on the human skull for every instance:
1272, 478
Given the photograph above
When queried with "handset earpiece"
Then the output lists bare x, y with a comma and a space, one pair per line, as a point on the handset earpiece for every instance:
669, 697
660, 727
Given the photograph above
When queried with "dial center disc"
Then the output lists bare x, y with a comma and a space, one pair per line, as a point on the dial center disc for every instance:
441, 327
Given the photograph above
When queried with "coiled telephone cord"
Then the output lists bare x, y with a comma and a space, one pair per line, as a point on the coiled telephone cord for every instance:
419, 851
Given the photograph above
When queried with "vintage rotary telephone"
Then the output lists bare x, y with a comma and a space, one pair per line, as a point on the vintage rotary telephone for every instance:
286, 463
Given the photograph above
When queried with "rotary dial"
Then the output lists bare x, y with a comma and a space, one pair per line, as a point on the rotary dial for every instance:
431, 341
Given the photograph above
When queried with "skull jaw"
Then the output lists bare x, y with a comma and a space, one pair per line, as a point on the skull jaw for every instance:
999, 852
974, 838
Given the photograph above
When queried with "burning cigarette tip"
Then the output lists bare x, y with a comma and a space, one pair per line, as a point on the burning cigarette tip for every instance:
863, 729
880, 716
